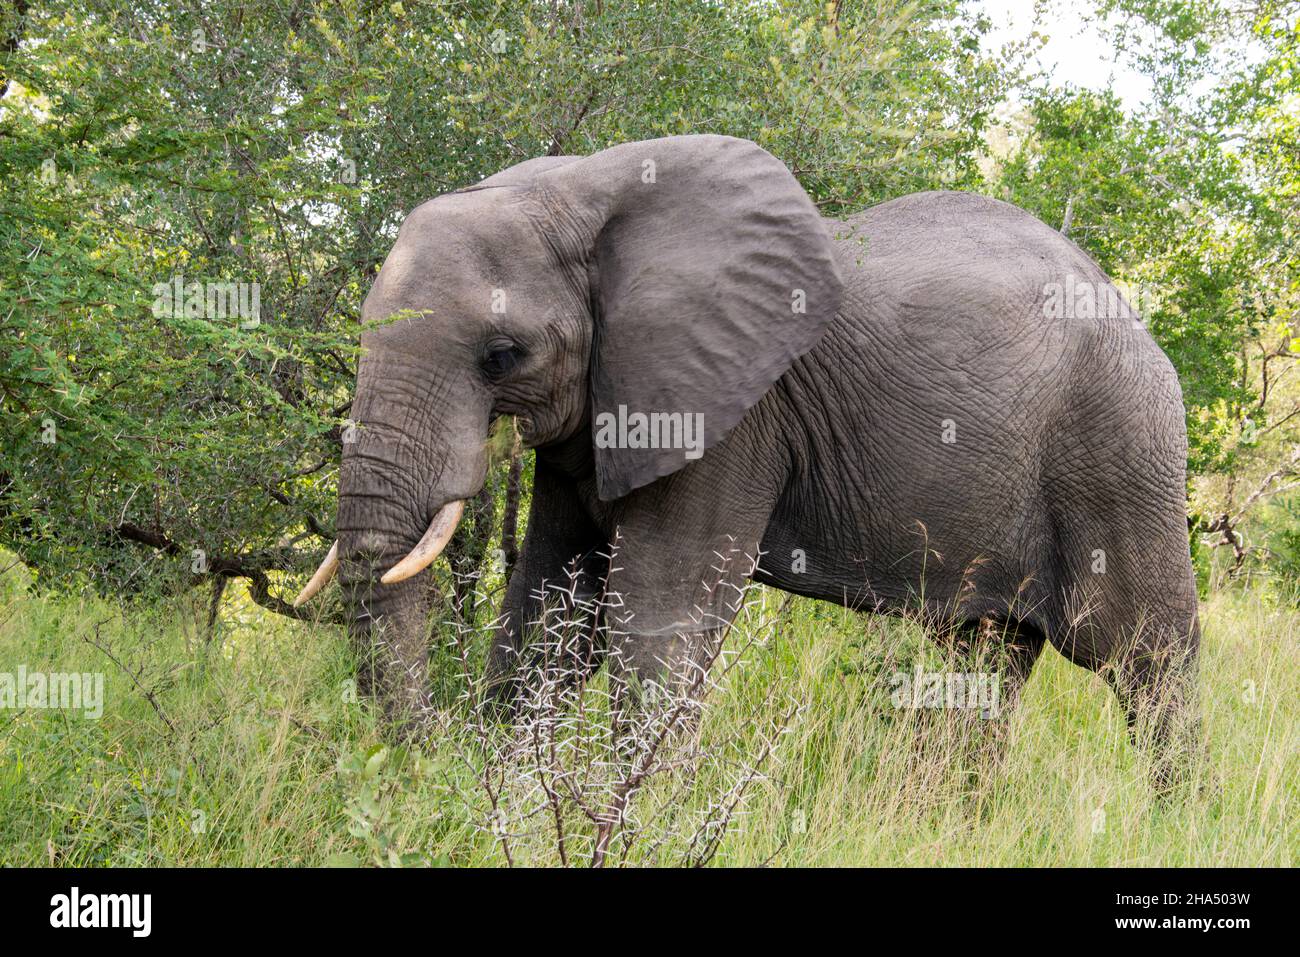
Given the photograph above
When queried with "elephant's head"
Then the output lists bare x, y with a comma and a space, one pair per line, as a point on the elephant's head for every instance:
674, 275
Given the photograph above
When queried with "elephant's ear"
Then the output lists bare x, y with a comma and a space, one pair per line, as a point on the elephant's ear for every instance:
711, 272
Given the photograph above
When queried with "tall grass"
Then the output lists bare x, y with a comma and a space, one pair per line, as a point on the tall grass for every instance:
253, 750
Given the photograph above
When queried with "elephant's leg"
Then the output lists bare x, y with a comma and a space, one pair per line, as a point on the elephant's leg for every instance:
1002, 652
1003, 648
1146, 645
1155, 680
685, 549
562, 567
1121, 576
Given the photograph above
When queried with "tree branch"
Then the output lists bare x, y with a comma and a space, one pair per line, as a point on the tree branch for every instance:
252, 567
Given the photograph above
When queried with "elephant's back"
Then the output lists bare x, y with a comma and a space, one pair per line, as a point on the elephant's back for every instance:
965, 223
947, 237
952, 274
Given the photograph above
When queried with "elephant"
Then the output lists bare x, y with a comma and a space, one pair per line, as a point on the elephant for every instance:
891, 412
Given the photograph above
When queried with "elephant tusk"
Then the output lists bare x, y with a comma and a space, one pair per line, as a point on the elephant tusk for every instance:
430, 546
327, 570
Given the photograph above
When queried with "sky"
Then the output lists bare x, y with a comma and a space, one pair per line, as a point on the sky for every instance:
1075, 53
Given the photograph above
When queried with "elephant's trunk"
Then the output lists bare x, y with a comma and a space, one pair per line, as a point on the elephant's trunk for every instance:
386, 622
410, 460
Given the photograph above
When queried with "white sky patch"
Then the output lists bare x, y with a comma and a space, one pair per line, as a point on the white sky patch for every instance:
1075, 53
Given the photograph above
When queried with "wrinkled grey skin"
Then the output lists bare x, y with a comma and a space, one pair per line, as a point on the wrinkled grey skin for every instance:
824, 427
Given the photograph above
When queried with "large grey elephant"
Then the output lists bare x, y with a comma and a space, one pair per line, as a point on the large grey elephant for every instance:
894, 410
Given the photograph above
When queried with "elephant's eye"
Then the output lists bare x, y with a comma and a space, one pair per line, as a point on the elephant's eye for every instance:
500, 360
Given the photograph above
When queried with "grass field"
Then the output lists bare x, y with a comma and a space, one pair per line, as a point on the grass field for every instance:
256, 753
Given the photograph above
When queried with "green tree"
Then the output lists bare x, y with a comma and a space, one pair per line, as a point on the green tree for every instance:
277, 145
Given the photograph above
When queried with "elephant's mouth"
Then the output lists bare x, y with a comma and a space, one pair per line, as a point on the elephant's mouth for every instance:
430, 546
